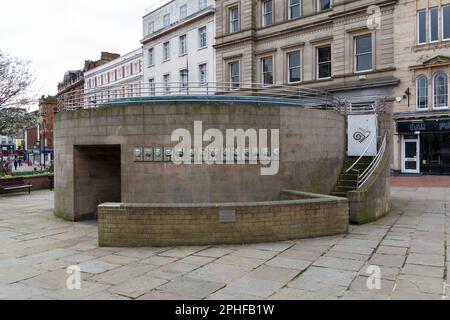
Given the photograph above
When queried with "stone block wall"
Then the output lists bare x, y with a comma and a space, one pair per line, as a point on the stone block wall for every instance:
125, 225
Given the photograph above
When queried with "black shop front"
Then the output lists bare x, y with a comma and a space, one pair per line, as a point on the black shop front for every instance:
425, 146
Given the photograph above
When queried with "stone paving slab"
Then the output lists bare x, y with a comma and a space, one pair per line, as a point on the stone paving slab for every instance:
410, 246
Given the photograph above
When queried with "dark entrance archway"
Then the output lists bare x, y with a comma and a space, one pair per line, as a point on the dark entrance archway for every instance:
97, 178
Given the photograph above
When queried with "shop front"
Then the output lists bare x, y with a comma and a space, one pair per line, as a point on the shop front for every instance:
425, 146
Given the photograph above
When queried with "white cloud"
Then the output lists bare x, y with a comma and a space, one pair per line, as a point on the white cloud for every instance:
57, 36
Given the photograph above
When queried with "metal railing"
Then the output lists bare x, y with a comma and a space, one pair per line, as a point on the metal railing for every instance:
364, 177
367, 105
199, 92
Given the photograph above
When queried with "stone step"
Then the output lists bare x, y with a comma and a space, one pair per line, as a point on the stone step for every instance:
339, 194
347, 183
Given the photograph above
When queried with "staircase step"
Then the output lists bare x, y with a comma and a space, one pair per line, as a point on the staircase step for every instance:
339, 194
347, 183
344, 188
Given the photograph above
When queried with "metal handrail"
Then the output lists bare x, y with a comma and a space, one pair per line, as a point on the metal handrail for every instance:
364, 177
118, 93
362, 155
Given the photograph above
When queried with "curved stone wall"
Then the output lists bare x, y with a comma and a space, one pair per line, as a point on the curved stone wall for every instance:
94, 155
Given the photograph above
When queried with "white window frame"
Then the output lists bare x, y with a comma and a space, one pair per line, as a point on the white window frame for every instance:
166, 53
183, 44
183, 9
265, 14
290, 6
422, 76
330, 62
166, 22
289, 67
202, 36
203, 79
202, 4
151, 27
230, 75
429, 23
442, 19
152, 89
167, 89
434, 87
418, 27
184, 73
231, 19
355, 56
264, 73
151, 57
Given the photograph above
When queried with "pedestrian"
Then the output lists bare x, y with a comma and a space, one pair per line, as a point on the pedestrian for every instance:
20, 162
9, 167
16, 163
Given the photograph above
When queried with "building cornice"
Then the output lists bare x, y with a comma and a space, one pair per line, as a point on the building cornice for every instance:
362, 9
178, 25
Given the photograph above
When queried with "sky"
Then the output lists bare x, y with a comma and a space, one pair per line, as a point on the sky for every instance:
59, 35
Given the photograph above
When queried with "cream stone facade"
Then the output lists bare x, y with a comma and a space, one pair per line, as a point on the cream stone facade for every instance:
344, 46
422, 60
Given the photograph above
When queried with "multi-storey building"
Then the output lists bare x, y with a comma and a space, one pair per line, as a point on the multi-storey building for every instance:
422, 59
70, 90
178, 47
119, 78
341, 45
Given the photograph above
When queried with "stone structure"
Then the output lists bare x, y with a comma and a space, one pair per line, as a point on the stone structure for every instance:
422, 58
302, 216
338, 45
95, 160
178, 44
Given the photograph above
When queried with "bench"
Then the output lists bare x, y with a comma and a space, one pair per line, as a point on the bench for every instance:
15, 184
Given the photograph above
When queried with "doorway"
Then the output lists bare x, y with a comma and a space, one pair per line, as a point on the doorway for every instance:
410, 154
97, 178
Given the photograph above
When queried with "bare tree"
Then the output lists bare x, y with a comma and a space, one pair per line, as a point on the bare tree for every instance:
16, 95
16, 80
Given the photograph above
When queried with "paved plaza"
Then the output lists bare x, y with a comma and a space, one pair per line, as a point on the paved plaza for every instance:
410, 246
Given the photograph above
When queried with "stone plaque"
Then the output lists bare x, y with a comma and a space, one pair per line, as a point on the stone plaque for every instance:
148, 154
158, 154
137, 154
227, 216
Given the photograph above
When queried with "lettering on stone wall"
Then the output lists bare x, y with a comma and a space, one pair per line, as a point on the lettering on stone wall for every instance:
227, 216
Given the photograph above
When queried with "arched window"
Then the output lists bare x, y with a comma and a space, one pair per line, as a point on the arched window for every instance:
440, 90
422, 92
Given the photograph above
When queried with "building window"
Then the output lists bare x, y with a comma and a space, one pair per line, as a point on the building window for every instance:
151, 57
166, 51
202, 37
127, 70
166, 79
136, 68
434, 24
120, 73
234, 74
202, 4
446, 22
294, 9
183, 45
422, 92
151, 83
166, 20
363, 53
422, 27
151, 27
294, 67
267, 8
440, 90
184, 78
267, 70
234, 19
183, 12
324, 62
202, 71
323, 5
